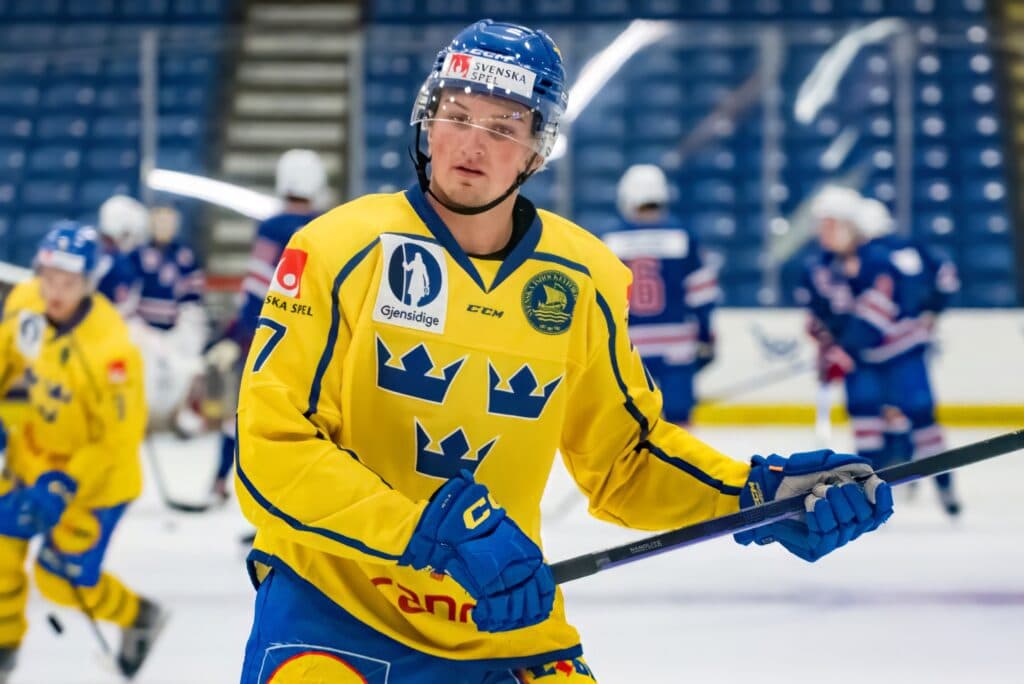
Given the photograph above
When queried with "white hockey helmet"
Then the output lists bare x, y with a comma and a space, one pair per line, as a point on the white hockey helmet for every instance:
838, 202
301, 174
874, 219
642, 184
125, 221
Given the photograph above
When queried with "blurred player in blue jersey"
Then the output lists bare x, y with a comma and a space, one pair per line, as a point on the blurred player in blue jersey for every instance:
419, 359
301, 182
170, 322
124, 226
673, 291
873, 298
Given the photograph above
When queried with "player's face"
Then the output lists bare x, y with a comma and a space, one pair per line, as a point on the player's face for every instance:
835, 235
478, 145
62, 292
163, 222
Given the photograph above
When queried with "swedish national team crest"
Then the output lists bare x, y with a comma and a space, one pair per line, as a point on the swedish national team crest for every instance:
549, 300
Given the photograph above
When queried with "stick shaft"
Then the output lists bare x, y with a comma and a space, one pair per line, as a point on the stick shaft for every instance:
758, 516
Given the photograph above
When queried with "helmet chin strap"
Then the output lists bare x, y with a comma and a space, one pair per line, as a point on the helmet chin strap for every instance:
421, 160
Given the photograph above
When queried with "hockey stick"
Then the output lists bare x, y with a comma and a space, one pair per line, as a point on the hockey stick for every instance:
757, 516
161, 486
107, 655
766, 379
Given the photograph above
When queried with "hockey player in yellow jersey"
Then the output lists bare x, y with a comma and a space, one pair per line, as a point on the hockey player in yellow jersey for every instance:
419, 359
72, 466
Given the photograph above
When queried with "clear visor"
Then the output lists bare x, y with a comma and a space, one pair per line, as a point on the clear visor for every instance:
463, 112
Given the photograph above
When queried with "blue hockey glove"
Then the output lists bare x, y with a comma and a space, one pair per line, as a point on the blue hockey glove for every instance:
50, 495
839, 509
27, 511
465, 534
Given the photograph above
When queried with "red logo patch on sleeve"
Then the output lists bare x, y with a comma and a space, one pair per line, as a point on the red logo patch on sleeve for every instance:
117, 371
288, 276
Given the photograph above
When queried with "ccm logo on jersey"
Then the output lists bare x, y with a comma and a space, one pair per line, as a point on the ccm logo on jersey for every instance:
287, 278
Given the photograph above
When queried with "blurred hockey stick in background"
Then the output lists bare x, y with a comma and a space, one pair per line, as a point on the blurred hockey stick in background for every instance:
758, 516
161, 485
774, 376
107, 654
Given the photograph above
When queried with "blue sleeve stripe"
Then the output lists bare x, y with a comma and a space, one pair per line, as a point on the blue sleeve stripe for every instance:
693, 471
561, 261
293, 522
332, 335
641, 419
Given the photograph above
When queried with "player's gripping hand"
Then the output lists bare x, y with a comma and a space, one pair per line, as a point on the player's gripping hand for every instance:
833, 363
465, 534
27, 511
49, 496
839, 508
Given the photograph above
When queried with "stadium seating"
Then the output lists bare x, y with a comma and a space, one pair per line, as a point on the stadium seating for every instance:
69, 116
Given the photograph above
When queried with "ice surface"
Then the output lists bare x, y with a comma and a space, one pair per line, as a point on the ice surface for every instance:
923, 600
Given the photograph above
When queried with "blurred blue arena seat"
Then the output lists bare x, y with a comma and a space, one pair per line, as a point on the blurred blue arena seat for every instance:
92, 193
112, 159
144, 9
12, 161
49, 194
54, 160
13, 128
62, 127
116, 126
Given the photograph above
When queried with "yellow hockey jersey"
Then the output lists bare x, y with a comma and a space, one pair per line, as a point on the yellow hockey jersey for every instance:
385, 361
87, 411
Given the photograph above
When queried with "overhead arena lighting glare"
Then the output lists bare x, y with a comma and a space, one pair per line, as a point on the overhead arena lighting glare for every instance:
9, 273
821, 84
247, 202
601, 67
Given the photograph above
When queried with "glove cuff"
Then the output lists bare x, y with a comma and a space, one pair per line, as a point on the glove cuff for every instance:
763, 481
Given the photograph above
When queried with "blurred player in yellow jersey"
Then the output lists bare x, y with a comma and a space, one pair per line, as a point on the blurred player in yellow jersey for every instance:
419, 359
72, 466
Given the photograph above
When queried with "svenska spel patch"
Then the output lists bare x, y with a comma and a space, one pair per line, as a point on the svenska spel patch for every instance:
490, 72
117, 372
287, 278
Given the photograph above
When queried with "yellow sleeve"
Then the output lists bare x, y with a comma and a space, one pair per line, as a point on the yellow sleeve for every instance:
294, 477
12, 364
636, 469
118, 420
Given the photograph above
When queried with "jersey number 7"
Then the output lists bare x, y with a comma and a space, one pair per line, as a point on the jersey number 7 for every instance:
276, 335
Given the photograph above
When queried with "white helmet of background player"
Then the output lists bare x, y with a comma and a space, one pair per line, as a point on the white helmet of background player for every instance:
873, 219
125, 221
301, 175
837, 202
642, 185
836, 211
